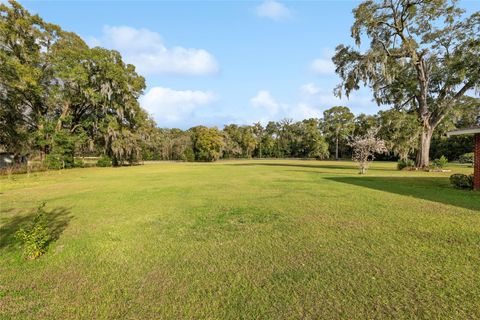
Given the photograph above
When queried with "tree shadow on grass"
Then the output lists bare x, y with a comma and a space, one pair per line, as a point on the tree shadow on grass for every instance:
58, 219
315, 165
435, 189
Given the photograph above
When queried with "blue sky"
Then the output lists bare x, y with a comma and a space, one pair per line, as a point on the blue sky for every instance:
216, 62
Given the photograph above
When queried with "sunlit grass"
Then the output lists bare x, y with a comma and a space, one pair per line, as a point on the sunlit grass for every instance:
243, 240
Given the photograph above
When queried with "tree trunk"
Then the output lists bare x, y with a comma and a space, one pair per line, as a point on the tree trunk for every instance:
423, 154
43, 150
63, 115
336, 149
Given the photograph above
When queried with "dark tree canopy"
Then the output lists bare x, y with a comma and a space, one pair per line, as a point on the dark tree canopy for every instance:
57, 95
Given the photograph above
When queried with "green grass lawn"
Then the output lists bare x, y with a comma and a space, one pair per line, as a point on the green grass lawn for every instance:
243, 240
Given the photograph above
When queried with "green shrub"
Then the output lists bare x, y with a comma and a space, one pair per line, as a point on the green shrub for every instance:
188, 155
462, 181
440, 163
402, 164
79, 163
104, 161
35, 236
54, 161
466, 158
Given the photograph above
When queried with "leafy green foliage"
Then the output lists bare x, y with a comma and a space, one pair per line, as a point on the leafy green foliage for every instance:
405, 164
440, 162
54, 161
338, 124
452, 147
364, 123
208, 143
58, 94
462, 181
240, 141
25, 76
188, 155
104, 161
400, 131
312, 144
62, 154
35, 236
466, 158
79, 163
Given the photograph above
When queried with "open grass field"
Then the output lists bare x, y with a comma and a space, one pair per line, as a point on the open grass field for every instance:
243, 240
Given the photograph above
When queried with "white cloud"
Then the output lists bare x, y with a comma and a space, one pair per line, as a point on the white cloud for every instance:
304, 111
145, 49
277, 110
317, 97
263, 99
273, 10
169, 106
323, 65
310, 89
313, 99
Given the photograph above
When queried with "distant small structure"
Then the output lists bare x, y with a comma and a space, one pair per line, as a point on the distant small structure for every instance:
6, 159
9, 159
475, 131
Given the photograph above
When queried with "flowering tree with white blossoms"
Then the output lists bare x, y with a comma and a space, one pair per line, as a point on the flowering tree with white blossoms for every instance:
365, 147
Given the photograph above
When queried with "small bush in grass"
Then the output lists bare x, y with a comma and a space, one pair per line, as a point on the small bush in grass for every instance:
54, 161
462, 181
79, 163
365, 147
408, 163
104, 161
466, 158
35, 236
440, 163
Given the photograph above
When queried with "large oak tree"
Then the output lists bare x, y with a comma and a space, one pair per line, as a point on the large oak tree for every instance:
55, 92
422, 55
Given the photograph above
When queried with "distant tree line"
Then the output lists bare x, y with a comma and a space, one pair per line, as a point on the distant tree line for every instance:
323, 138
60, 100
